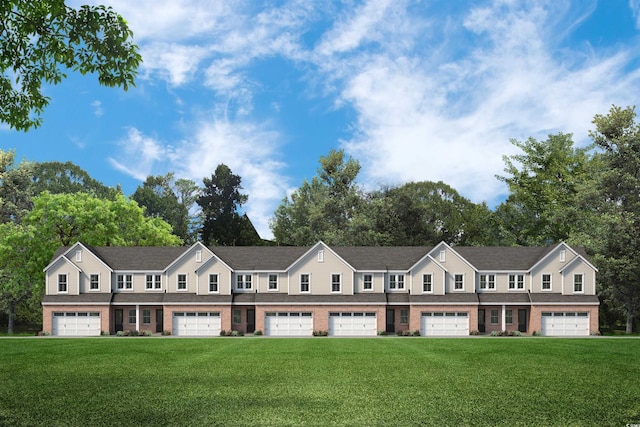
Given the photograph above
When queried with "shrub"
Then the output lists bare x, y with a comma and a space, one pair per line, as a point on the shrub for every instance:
320, 333
517, 333
223, 333
105, 333
147, 333
120, 334
494, 333
134, 333
416, 333
237, 333
165, 333
44, 333
257, 333
382, 332
476, 332
536, 334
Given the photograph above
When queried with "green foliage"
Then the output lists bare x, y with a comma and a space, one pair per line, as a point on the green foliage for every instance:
42, 39
544, 191
69, 178
308, 381
15, 188
220, 201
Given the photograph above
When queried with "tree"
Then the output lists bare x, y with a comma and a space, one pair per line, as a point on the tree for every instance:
220, 201
58, 177
188, 192
619, 193
544, 182
158, 198
41, 39
21, 263
15, 188
426, 213
323, 209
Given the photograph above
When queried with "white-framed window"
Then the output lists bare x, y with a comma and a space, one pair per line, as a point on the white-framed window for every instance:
198, 256
154, 281
396, 281
367, 282
213, 283
443, 256
79, 256
488, 281
320, 255
427, 283
336, 282
578, 283
404, 316
237, 316
516, 281
508, 316
563, 256
63, 284
494, 317
546, 282
146, 316
243, 281
181, 280
458, 282
273, 282
124, 281
132, 316
305, 282
94, 282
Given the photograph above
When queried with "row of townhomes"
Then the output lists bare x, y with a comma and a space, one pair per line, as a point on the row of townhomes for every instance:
294, 291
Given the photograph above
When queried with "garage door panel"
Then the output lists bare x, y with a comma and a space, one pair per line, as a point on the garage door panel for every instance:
565, 323
288, 324
81, 324
196, 324
444, 324
351, 324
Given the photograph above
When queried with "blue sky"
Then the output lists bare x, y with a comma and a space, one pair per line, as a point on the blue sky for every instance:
414, 90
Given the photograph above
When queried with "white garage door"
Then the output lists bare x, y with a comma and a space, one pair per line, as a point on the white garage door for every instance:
444, 324
288, 324
349, 324
76, 324
196, 324
565, 324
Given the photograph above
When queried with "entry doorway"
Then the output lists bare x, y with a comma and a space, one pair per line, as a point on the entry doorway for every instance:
251, 320
522, 320
391, 321
481, 320
159, 320
119, 319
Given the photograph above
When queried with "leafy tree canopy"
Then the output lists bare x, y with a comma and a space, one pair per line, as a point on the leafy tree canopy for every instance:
42, 39
58, 177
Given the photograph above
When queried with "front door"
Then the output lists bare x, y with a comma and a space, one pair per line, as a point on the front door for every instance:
481, 319
159, 320
251, 320
522, 320
391, 321
119, 316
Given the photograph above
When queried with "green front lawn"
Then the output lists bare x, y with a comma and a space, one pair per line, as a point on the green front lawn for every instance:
319, 381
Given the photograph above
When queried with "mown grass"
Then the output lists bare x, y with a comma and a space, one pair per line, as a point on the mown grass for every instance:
319, 381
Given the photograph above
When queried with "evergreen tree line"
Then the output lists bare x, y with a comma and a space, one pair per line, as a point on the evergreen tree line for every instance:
586, 196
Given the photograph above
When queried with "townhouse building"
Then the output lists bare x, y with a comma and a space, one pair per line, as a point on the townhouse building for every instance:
347, 291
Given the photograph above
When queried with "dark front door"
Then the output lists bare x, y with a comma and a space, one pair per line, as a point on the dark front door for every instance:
119, 316
391, 320
159, 320
481, 317
522, 320
251, 320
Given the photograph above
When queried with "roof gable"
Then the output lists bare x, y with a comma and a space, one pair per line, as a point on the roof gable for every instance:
443, 245
195, 246
320, 246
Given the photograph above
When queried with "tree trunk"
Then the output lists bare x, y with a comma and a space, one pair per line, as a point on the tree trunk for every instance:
11, 311
629, 322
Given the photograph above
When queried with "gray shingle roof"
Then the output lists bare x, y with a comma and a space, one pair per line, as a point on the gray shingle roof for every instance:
87, 298
537, 298
362, 298
504, 298
260, 258
382, 257
502, 258
457, 298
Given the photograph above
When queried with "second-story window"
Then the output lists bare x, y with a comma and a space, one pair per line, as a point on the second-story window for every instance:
182, 282
62, 283
153, 281
578, 283
427, 283
94, 282
367, 282
305, 283
124, 281
336, 280
243, 281
396, 281
516, 281
487, 281
273, 282
213, 283
546, 282
458, 282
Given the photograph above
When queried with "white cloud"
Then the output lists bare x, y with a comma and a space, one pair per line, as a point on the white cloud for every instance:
139, 155
97, 108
